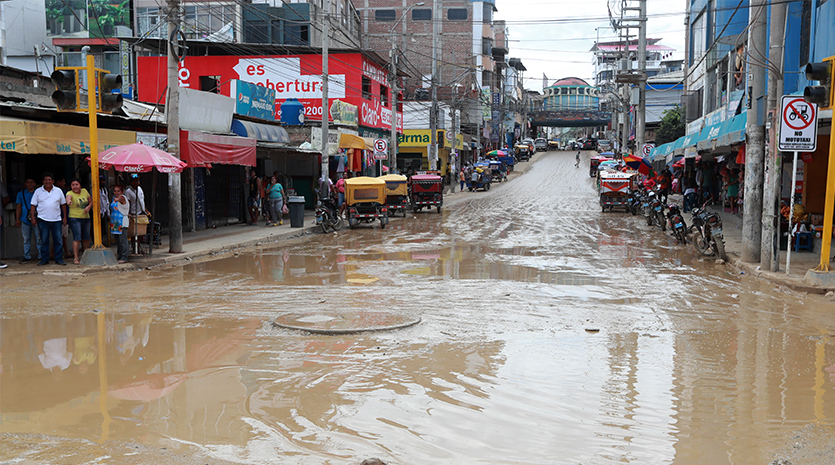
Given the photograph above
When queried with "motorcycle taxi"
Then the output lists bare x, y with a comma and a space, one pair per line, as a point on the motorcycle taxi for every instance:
366, 200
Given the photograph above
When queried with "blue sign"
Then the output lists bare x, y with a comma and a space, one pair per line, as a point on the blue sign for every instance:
252, 100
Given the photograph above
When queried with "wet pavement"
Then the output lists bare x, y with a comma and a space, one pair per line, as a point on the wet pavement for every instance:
549, 333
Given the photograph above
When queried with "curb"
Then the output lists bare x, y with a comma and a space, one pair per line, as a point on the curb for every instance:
165, 260
791, 283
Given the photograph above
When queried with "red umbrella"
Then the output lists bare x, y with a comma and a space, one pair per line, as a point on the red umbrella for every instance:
139, 158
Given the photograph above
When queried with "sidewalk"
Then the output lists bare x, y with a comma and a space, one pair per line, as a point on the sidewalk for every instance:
196, 244
800, 261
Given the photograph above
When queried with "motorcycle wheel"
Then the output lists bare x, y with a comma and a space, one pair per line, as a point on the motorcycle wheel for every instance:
662, 223
336, 224
326, 223
438, 209
649, 219
699, 242
719, 248
634, 209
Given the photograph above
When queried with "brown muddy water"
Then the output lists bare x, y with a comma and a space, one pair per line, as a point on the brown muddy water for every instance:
550, 333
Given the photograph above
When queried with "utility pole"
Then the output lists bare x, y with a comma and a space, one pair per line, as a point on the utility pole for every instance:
433, 115
172, 113
394, 92
624, 137
641, 110
753, 205
326, 31
770, 249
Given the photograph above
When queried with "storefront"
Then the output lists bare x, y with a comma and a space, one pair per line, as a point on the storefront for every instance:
28, 149
414, 149
219, 164
297, 169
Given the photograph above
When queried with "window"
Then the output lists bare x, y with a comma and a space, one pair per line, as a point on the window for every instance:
488, 13
486, 46
456, 14
384, 95
296, 34
210, 84
384, 15
366, 88
422, 14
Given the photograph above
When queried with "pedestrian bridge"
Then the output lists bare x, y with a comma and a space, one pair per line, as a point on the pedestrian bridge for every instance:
570, 118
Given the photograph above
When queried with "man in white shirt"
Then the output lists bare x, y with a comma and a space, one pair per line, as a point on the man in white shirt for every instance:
48, 204
136, 197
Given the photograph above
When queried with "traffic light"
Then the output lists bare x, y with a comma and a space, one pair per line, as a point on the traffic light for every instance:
66, 93
108, 101
822, 94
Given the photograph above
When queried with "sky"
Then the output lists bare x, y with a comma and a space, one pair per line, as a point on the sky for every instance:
554, 37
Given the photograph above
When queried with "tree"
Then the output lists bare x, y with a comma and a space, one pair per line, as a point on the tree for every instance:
671, 126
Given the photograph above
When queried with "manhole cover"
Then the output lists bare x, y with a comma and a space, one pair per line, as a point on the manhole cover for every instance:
321, 323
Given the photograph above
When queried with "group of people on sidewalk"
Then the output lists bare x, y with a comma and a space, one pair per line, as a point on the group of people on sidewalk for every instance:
52, 212
266, 197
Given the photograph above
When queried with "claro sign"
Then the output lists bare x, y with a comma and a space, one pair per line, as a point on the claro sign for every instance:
289, 76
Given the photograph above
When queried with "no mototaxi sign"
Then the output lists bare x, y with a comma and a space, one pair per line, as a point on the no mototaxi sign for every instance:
798, 125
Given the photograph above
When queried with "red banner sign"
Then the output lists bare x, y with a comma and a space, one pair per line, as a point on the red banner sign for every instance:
291, 76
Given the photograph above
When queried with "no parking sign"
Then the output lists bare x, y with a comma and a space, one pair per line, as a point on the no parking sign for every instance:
798, 125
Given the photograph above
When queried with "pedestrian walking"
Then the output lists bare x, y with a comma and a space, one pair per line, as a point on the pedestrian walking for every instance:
79, 202
275, 202
49, 215
462, 178
22, 216
119, 222
577, 160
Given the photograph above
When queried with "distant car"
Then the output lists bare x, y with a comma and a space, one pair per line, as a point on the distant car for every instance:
541, 144
589, 144
604, 145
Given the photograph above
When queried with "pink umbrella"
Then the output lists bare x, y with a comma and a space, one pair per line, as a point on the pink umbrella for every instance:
139, 158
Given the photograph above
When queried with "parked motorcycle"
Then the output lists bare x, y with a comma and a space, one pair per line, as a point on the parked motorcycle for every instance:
327, 215
677, 224
635, 201
646, 207
707, 233
657, 213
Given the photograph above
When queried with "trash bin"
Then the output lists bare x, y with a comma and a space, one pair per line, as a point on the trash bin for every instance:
296, 205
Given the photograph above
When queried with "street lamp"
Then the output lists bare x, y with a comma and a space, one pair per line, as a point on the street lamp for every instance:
394, 90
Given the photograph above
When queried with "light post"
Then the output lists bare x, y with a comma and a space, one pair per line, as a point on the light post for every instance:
395, 90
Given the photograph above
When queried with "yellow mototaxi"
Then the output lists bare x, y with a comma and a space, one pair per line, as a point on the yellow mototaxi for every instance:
366, 201
397, 193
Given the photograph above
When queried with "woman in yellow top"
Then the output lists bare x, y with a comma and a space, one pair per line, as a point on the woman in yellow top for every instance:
78, 200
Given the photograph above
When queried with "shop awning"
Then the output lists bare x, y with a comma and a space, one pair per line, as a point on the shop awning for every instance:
724, 134
260, 132
200, 149
350, 141
31, 137
715, 136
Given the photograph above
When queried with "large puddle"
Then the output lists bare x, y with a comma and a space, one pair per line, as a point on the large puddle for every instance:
550, 333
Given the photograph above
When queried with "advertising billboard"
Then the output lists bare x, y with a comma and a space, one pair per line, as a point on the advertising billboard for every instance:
289, 76
253, 100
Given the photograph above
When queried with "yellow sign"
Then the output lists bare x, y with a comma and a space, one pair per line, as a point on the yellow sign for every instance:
30, 137
423, 137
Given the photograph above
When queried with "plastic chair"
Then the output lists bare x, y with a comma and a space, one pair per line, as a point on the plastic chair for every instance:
803, 241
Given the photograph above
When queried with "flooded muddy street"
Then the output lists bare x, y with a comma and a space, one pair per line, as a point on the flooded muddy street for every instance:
549, 333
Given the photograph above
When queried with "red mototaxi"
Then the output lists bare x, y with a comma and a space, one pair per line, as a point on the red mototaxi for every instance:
426, 191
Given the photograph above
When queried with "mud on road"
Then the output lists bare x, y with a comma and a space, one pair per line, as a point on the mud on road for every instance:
550, 333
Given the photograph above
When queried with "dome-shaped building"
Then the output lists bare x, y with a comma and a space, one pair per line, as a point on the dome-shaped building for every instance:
571, 93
